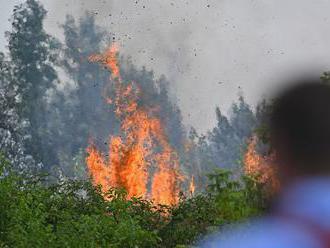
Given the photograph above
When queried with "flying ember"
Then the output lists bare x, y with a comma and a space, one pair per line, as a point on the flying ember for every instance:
140, 158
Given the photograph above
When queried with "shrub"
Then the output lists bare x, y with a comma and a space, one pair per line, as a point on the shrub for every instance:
77, 214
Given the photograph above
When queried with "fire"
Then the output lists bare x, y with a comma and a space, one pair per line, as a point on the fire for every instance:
96, 163
259, 165
141, 155
109, 58
192, 186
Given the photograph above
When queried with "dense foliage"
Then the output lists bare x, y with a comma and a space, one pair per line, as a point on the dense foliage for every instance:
32, 54
12, 127
77, 214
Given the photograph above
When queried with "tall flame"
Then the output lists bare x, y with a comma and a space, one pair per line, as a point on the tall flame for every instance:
141, 155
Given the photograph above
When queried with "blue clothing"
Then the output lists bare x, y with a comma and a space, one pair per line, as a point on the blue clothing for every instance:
307, 200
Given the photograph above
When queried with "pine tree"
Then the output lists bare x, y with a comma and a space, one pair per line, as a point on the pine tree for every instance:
228, 138
242, 119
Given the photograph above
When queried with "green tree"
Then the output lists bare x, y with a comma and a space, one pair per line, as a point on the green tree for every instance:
33, 55
12, 128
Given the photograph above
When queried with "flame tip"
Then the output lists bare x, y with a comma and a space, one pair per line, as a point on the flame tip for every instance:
133, 153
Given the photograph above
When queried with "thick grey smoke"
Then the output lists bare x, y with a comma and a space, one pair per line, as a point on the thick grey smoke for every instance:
209, 49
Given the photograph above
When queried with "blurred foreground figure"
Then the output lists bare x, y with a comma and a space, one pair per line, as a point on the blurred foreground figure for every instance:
300, 135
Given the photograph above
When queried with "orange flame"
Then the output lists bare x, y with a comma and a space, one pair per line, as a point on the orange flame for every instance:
141, 148
259, 165
192, 186
109, 59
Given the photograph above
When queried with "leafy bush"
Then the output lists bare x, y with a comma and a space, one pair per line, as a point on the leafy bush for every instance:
77, 214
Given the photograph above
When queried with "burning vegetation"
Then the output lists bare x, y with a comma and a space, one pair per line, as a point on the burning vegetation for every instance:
260, 166
140, 159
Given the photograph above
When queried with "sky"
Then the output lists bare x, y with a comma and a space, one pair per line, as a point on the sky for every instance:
210, 50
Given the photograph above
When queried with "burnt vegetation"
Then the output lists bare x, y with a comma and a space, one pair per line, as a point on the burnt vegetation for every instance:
51, 106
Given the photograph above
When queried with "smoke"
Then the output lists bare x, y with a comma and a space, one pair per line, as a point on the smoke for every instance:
166, 37
209, 49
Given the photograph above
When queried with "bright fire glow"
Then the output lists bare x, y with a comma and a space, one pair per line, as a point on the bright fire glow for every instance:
141, 154
192, 186
256, 164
